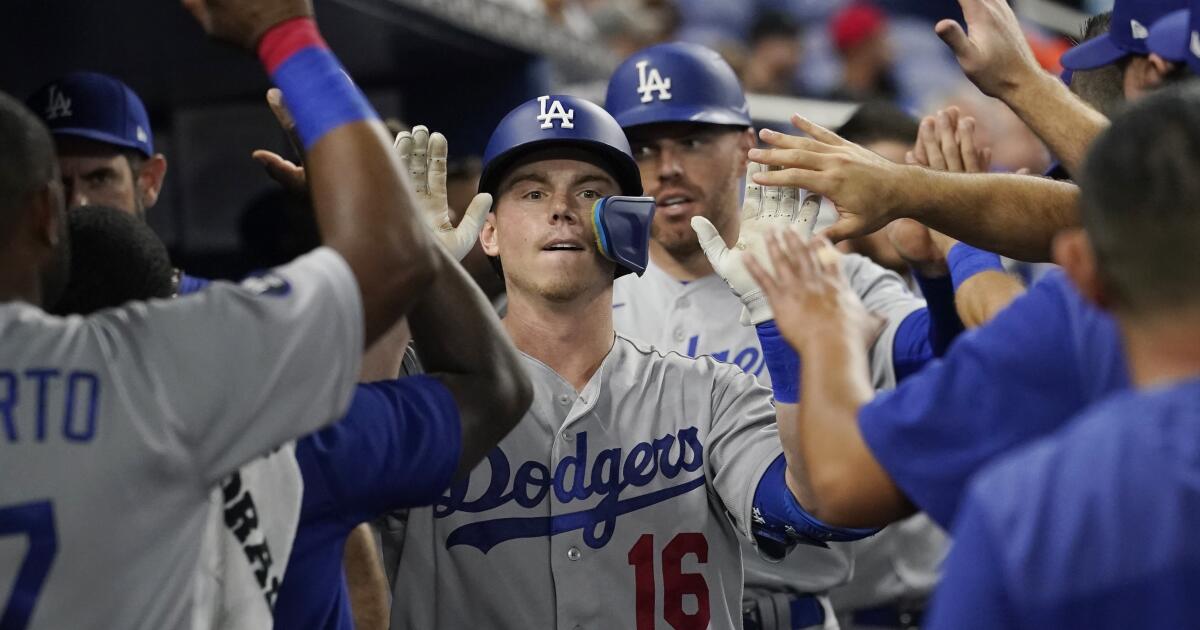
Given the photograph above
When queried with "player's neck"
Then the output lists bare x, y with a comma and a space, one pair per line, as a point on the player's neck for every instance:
693, 265
572, 338
1163, 349
19, 286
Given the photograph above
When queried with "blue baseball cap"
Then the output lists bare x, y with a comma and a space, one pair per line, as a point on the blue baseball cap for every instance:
1176, 37
1131, 21
97, 107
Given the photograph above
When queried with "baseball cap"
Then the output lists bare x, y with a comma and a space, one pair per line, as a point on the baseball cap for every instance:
1131, 21
1176, 37
97, 107
856, 24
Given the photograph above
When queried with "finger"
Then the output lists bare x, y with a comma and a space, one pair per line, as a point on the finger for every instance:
966, 144
404, 147
985, 160
933, 147
804, 263
472, 221
809, 211
783, 262
419, 166
788, 158
920, 155
793, 245
846, 226
283, 171
815, 131
762, 278
752, 201
829, 258
1024, 171
284, 117
785, 141
809, 180
789, 204
436, 175
770, 198
953, 36
710, 241
948, 143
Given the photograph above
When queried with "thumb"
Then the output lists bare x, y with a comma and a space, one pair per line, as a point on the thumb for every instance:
475, 216
841, 230
710, 240
954, 37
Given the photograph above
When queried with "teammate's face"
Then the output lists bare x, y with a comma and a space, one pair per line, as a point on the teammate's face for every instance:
691, 170
541, 228
94, 173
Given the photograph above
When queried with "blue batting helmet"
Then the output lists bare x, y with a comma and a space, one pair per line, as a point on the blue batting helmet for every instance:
676, 82
552, 120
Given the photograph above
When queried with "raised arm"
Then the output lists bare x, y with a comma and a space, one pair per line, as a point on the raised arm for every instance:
454, 326
822, 318
995, 55
363, 205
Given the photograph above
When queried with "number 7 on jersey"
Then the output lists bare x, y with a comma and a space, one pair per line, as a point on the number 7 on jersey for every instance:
36, 522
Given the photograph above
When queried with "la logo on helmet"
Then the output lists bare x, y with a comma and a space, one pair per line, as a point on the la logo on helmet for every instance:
651, 82
556, 112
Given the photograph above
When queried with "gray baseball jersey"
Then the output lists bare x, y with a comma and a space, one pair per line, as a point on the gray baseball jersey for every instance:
114, 429
621, 506
253, 517
700, 318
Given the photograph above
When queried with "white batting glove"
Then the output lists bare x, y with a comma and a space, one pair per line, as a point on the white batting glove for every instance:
765, 209
423, 155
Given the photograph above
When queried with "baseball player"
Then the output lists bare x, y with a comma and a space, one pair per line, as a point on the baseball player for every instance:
689, 126
620, 498
114, 427
273, 545
1042, 539
105, 147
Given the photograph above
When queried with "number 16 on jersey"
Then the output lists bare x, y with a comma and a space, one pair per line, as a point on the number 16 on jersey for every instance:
682, 592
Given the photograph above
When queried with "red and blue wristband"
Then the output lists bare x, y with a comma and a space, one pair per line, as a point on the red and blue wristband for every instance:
317, 90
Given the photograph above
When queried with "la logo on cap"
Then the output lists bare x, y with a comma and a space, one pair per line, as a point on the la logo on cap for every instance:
651, 82
1138, 31
555, 112
1195, 45
58, 105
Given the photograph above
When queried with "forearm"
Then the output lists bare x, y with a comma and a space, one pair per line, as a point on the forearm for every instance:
1013, 215
984, 295
460, 340
369, 596
1064, 123
361, 199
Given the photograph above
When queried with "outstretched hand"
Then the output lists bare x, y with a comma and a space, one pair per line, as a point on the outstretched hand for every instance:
423, 155
993, 51
808, 292
765, 209
863, 186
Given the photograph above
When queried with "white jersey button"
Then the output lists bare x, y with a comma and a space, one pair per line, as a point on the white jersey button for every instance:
564, 400
573, 554
568, 436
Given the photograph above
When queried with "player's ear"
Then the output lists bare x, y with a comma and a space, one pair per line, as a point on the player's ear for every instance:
1160, 67
487, 237
150, 179
747, 140
1074, 253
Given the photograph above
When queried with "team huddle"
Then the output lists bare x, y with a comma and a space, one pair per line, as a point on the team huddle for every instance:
696, 411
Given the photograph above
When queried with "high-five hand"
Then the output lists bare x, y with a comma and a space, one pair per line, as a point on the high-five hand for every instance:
423, 155
765, 209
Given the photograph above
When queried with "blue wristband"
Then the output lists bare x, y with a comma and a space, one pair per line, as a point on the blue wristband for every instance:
318, 92
966, 261
782, 363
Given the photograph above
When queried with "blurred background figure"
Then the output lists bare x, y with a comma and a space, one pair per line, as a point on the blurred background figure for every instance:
774, 54
860, 35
